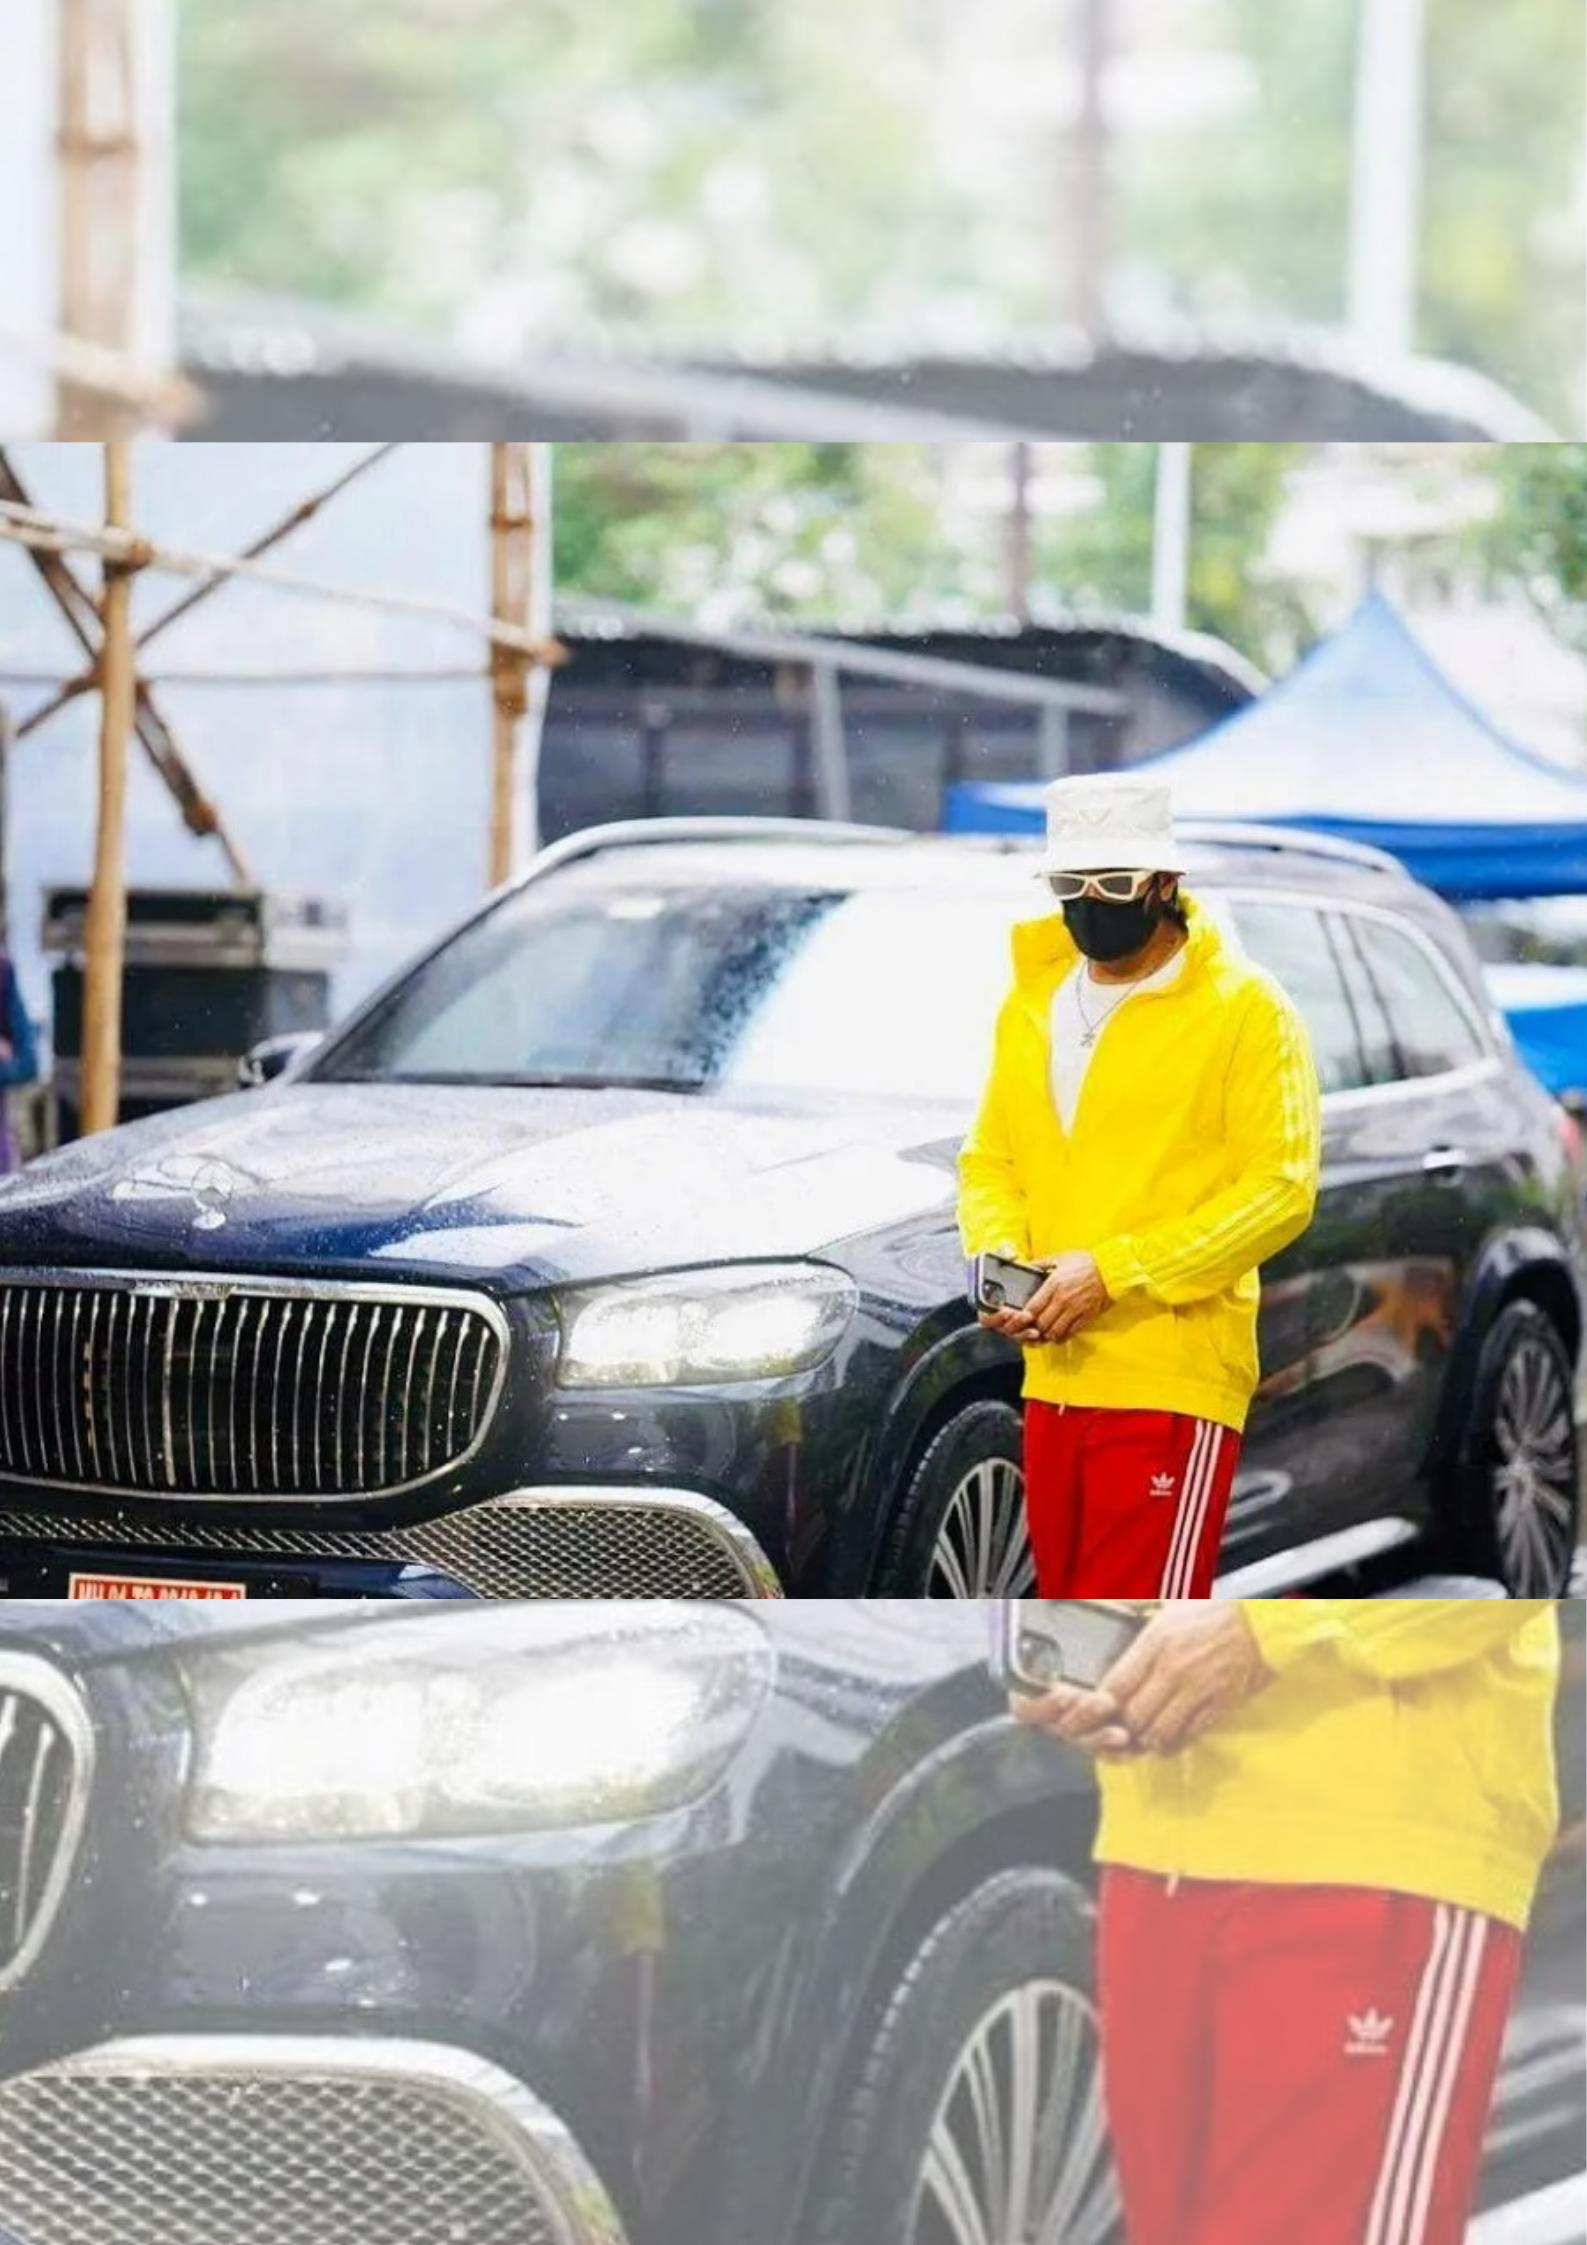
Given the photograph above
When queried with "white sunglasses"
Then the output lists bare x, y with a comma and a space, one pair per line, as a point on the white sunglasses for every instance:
1111, 888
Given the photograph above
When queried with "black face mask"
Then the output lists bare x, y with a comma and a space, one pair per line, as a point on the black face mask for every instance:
1107, 932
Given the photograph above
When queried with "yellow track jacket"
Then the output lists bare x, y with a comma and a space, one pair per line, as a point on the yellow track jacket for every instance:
1404, 1744
1193, 1159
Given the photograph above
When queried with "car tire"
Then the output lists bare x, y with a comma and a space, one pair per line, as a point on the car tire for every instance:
1513, 1507
959, 1530
996, 2005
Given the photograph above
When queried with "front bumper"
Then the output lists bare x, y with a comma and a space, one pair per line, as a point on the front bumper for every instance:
244, 2140
634, 1541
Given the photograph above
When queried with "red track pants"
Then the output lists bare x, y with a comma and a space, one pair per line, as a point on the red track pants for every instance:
1125, 1504
1306, 2064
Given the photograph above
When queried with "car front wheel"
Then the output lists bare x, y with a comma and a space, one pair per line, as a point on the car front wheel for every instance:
976, 2113
1516, 1504
959, 1531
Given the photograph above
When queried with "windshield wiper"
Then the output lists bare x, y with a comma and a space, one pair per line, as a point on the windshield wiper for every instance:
560, 1080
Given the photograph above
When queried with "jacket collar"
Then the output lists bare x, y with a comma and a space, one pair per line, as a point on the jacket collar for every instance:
1045, 951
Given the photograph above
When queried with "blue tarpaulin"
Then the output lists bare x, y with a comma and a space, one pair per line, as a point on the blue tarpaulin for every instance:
1546, 1007
1366, 739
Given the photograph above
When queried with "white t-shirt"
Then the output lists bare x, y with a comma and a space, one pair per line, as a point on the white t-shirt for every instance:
1071, 1053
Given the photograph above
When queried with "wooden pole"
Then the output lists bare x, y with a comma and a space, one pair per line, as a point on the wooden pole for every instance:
511, 537
106, 930
540, 611
101, 162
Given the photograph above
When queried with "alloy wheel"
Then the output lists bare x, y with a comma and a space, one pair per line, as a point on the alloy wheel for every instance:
982, 1548
1534, 1472
1017, 2153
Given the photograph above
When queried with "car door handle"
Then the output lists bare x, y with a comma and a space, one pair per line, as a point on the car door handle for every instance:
1445, 1161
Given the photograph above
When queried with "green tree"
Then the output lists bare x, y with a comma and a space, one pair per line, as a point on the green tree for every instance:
1251, 218
1537, 539
847, 534
743, 175
1105, 556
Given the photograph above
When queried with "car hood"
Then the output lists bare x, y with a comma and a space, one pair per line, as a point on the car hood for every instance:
496, 1186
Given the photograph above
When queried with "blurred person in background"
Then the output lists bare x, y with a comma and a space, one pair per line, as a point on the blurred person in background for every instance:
19, 1059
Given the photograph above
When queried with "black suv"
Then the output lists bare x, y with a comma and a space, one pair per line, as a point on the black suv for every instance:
610, 1250
728, 1924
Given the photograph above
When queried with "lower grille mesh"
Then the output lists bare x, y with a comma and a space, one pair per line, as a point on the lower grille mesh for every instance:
564, 1550
229, 2159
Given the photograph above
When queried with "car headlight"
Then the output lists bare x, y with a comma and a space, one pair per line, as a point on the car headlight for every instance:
458, 1724
747, 1321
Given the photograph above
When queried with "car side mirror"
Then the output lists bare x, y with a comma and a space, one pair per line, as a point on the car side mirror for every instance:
274, 1057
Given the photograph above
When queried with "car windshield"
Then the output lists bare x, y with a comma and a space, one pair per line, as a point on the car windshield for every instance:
722, 983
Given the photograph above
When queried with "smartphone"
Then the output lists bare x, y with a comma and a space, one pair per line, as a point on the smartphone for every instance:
1047, 1641
999, 1283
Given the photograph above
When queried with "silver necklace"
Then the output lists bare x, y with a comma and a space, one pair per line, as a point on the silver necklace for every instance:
1093, 1029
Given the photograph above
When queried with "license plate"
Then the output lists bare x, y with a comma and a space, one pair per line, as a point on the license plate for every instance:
149, 1586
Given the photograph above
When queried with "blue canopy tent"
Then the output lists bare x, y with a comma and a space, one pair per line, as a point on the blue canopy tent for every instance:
1366, 739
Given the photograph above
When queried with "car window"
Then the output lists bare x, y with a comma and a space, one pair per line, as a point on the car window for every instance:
1291, 942
1380, 1058
1433, 1029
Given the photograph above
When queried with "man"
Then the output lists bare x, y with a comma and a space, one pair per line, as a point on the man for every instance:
1323, 1826
19, 1062
1150, 1134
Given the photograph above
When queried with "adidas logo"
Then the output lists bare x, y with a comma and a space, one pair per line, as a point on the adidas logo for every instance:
1162, 1484
1369, 2035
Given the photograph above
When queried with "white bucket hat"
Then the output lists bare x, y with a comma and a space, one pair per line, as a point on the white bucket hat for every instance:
1110, 822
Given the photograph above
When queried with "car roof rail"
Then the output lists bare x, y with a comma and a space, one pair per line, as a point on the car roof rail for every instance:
1295, 841
623, 834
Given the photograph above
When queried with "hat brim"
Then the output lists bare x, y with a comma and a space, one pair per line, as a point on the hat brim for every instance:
1083, 857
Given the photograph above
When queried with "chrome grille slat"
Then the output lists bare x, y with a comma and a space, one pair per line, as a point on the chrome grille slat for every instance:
413, 1451
105, 1372
38, 1381
239, 1389
59, 1368
248, 1394
87, 1385
212, 1479
274, 1405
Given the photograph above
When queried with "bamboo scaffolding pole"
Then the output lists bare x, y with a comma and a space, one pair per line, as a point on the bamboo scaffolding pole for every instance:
160, 399
507, 668
82, 613
82, 682
521, 598
101, 163
29, 526
105, 933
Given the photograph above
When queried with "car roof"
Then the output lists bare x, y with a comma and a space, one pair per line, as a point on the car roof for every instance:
813, 853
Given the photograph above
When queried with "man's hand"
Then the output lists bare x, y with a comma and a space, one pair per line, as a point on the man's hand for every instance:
1193, 1663
1068, 1299
1071, 1295
1087, 1720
